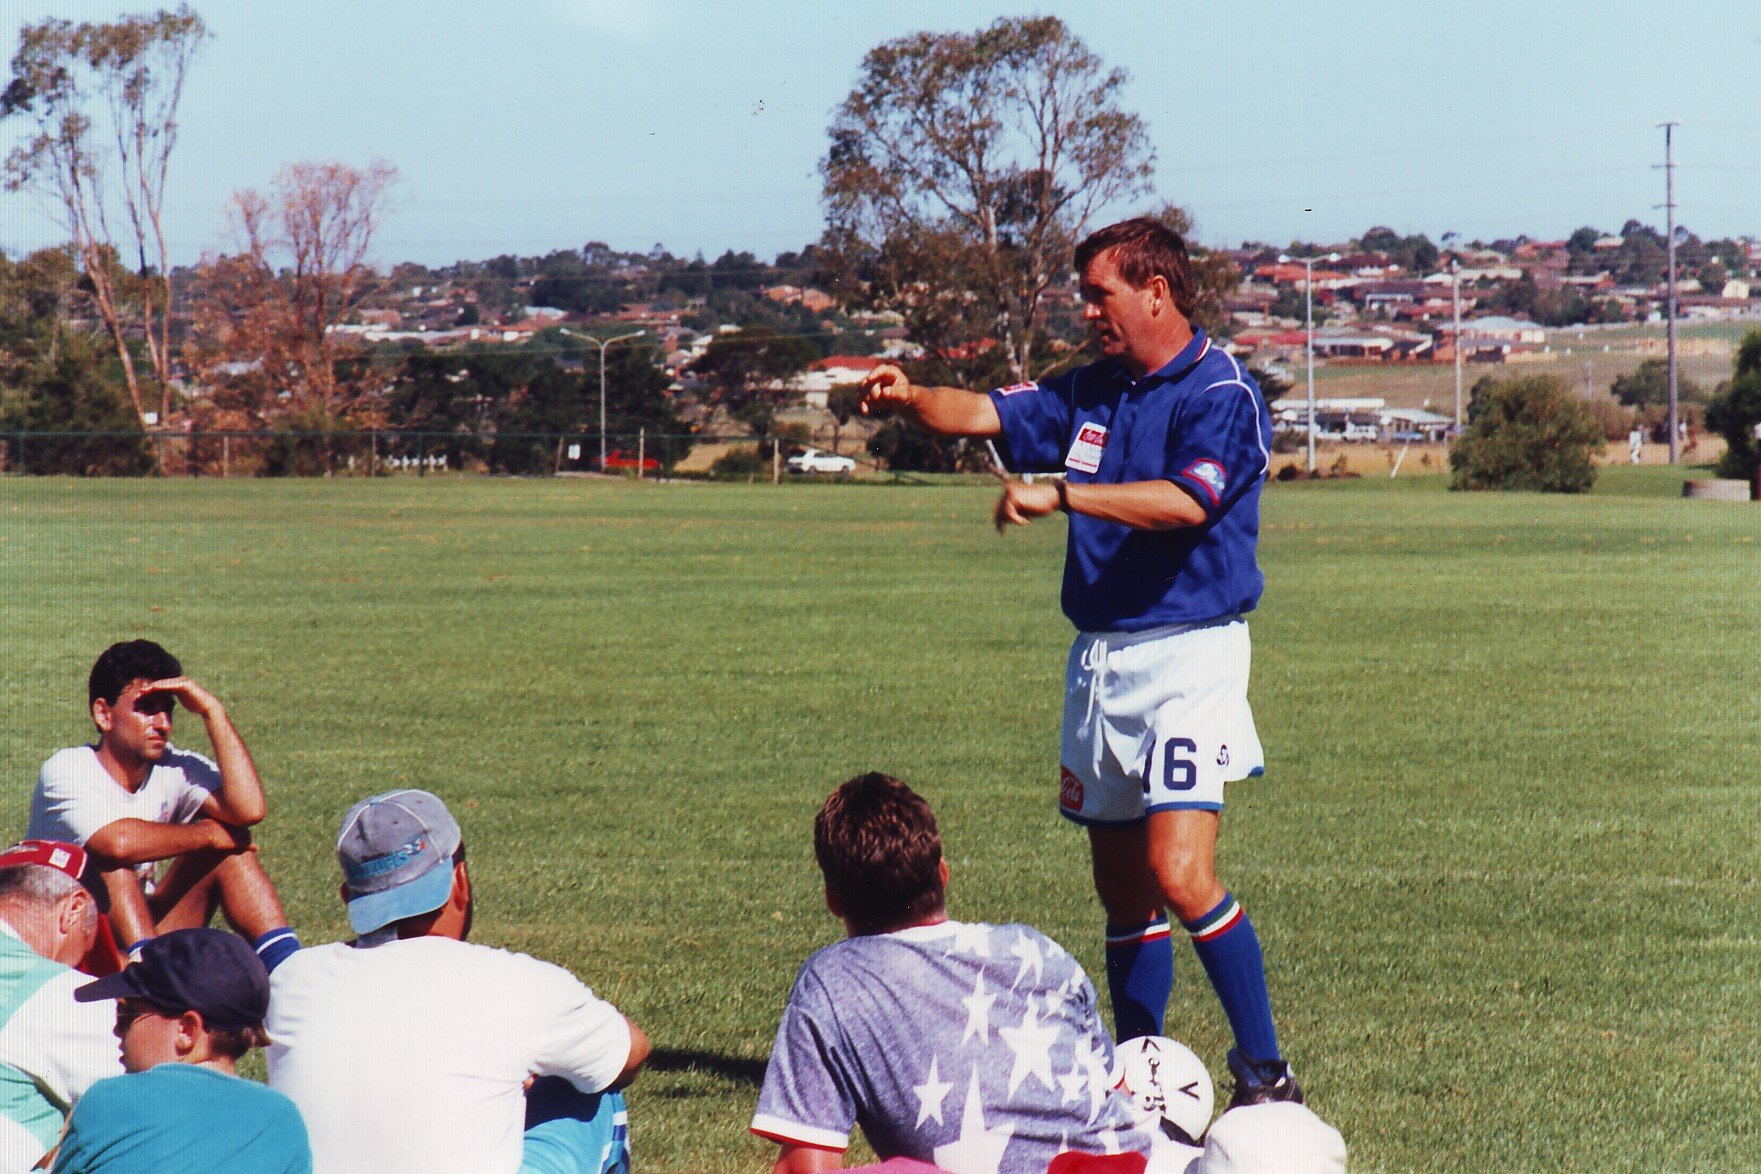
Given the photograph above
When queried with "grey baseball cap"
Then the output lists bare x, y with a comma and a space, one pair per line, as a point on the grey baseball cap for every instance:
396, 853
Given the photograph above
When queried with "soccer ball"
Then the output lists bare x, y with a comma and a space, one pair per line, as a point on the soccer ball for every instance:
1165, 1081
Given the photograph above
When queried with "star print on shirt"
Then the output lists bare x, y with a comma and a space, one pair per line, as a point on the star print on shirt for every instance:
1096, 1075
930, 1095
1027, 949
977, 1150
1032, 1045
1072, 1083
970, 939
978, 1013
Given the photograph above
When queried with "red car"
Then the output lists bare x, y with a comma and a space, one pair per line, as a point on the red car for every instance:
619, 461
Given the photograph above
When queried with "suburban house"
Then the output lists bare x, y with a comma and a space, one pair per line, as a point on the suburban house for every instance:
832, 371
1501, 330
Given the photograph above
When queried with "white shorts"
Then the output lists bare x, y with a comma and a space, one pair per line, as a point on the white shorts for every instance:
1156, 721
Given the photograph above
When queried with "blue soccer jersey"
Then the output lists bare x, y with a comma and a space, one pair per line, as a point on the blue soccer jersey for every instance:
1200, 422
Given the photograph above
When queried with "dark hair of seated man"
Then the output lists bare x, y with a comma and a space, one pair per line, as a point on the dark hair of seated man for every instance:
881, 854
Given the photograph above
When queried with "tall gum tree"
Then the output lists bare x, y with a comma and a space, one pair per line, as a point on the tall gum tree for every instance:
265, 314
101, 99
962, 170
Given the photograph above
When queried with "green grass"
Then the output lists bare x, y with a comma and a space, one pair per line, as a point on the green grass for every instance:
1503, 863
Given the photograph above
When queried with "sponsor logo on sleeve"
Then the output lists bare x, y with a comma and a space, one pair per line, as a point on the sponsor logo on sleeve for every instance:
1017, 388
1069, 790
1086, 449
1210, 475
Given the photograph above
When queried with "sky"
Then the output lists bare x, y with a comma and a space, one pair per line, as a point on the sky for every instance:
699, 125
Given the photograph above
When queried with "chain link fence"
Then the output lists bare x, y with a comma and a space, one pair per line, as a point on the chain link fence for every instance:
404, 452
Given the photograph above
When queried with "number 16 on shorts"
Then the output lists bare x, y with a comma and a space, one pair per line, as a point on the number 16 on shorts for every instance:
1179, 769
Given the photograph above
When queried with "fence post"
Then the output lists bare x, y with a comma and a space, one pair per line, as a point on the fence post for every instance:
776, 462
422, 455
226, 454
641, 450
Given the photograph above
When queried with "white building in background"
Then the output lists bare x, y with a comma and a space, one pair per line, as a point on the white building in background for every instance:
1504, 330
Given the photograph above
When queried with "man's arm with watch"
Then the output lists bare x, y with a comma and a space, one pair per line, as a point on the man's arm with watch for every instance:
1142, 505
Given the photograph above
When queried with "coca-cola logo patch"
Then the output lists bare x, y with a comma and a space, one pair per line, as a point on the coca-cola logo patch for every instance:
1069, 790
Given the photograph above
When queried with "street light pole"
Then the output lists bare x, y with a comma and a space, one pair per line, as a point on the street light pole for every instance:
1455, 309
602, 344
1308, 308
1669, 206
1308, 302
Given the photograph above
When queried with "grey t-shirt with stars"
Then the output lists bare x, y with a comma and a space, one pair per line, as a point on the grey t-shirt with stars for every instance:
974, 1047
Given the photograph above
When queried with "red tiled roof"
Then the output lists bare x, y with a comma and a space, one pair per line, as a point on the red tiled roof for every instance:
845, 363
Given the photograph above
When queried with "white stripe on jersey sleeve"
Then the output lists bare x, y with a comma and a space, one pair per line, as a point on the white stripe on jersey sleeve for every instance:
782, 1129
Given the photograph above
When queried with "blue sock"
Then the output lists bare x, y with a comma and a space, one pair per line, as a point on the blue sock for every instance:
1230, 951
1140, 976
276, 947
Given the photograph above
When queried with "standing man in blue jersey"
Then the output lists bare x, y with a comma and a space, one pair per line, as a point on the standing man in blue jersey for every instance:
1164, 446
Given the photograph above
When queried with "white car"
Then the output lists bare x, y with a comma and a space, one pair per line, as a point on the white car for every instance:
815, 461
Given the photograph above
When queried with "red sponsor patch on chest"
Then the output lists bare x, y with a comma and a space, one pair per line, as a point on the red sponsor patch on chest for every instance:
1086, 449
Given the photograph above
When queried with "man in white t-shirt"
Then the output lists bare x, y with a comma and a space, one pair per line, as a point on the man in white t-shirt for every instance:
410, 1049
52, 1048
134, 799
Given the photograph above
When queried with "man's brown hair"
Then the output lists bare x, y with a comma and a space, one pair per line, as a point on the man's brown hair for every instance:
880, 852
1144, 248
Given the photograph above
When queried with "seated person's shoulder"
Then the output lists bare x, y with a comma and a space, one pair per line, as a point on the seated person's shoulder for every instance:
447, 961
1016, 939
198, 768
71, 764
116, 1094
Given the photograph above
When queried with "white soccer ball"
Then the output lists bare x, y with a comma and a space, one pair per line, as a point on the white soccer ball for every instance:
1167, 1082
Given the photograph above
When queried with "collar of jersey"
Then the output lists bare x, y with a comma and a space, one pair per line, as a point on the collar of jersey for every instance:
918, 933
1177, 368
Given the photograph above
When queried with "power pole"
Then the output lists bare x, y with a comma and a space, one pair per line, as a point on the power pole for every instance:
1669, 218
1308, 302
1455, 308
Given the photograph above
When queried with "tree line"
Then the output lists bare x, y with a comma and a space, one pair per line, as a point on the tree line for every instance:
960, 172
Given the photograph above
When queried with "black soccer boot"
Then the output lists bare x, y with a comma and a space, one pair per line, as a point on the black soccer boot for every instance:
1259, 1082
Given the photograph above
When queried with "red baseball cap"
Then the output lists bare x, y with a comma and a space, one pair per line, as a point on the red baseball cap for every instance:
64, 858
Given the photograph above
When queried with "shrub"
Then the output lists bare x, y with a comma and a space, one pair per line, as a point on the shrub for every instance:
68, 395
740, 462
908, 449
1650, 385
1737, 410
1614, 420
1527, 433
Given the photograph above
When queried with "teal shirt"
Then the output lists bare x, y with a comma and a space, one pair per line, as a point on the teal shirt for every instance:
184, 1118
23, 1099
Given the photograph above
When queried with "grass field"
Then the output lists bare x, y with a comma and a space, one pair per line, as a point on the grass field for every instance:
1503, 862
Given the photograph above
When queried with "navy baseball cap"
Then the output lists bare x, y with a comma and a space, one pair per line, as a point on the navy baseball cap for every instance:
396, 853
206, 970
